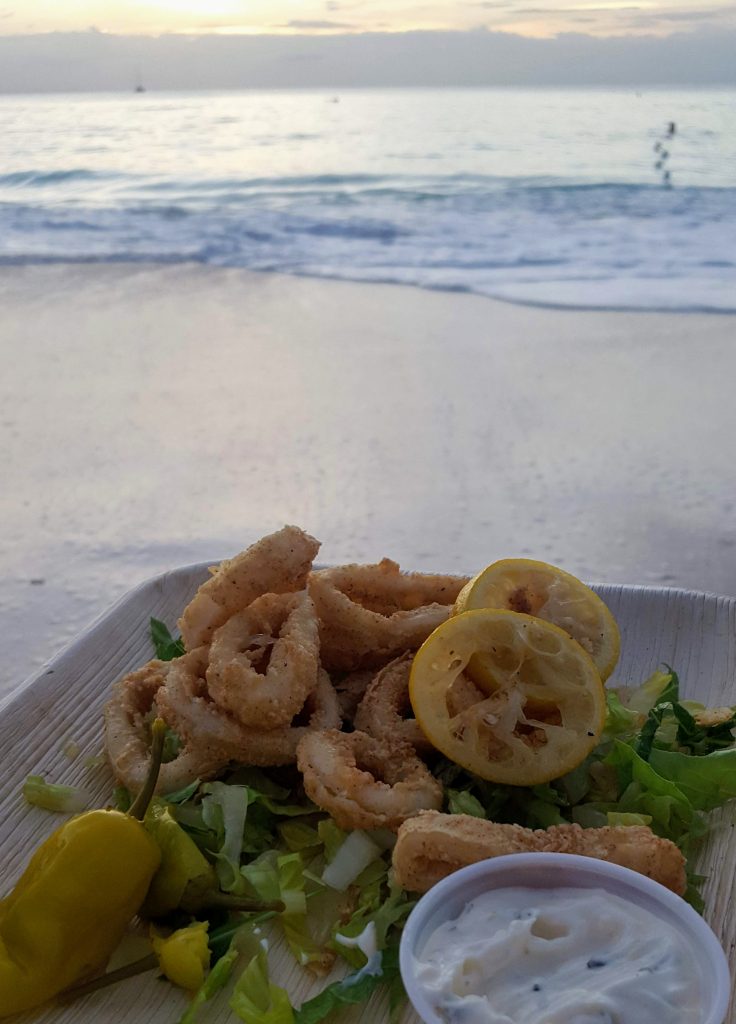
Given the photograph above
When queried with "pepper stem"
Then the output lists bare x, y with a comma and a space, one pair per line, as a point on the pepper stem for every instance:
147, 963
140, 805
238, 903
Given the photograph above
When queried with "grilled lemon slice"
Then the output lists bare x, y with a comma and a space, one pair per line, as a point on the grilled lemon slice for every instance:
535, 715
536, 588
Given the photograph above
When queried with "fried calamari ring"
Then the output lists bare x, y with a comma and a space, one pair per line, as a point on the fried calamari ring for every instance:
264, 660
365, 782
128, 713
279, 746
187, 706
432, 846
350, 691
385, 710
371, 613
276, 564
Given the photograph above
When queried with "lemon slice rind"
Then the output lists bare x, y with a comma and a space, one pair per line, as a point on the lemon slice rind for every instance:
535, 718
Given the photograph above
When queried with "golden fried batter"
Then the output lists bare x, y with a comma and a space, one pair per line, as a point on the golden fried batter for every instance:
264, 660
385, 710
372, 613
276, 564
365, 782
432, 845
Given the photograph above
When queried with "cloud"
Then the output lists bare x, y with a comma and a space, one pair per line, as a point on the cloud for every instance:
611, 19
310, 23
700, 15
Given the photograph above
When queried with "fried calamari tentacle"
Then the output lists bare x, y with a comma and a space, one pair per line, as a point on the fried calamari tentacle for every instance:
264, 660
128, 713
365, 782
371, 613
431, 846
276, 564
385, 710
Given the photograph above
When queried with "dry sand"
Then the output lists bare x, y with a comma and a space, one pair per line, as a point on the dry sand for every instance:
153, 416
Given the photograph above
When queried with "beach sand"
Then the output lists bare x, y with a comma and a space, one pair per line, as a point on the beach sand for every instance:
155, 416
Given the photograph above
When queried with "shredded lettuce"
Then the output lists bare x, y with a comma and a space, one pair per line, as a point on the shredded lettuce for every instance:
121, 798
350, 859
463, 802
180, 796
294, 921
331, 836
224, 809
256, 1000
53, 797
216, 980
354, 988
659, 688
381, 904
299, 835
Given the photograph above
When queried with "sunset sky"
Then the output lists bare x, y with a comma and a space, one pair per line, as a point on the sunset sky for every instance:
539, 18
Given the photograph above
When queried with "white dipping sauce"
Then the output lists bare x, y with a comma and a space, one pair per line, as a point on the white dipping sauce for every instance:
559, 956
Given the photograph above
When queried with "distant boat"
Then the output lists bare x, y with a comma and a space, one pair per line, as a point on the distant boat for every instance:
140, 88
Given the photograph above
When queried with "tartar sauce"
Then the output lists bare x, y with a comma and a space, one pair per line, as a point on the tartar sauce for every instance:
558, 956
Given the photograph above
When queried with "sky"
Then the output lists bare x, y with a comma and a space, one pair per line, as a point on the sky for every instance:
60, 45
540, 18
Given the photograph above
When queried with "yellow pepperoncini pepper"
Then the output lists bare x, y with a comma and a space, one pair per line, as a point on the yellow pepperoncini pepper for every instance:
185, 877
70, 908
183, 956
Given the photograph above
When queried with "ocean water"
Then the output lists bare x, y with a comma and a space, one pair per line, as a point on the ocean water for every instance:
549, 197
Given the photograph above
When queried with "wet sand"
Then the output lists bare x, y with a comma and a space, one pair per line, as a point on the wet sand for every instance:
155, 416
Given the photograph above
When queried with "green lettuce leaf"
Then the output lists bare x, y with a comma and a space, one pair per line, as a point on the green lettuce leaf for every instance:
659, 688
298, 835
224, 810
620, 720
54, 797
291, 879
706, 781
645, 791
166, 646
331, 837
213, 983
180, 796
354, 988
256, 1000
463, 802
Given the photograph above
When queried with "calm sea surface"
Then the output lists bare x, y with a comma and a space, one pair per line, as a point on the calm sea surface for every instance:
547, 197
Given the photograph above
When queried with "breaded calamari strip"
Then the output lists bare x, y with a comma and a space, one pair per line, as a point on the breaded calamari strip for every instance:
372, 613
128, 713
385, 709
431, 846
276, 564
364, 782
264, 660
